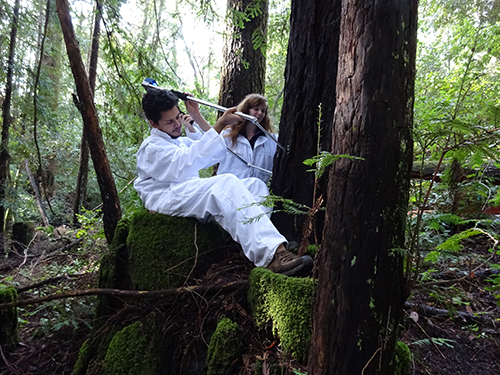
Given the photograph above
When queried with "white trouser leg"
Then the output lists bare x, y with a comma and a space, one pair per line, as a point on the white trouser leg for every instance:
224, 197
259, 190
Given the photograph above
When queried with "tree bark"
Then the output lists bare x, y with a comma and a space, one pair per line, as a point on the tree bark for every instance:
310, 79
83, 170
243, 65
111, 204
4, 145
361, 291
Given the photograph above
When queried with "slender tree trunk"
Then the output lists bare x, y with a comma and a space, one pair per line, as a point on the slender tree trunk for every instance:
244, 60
83, 170
109, 194
4, 145
361, 289
310, 78
38, 197
40, 173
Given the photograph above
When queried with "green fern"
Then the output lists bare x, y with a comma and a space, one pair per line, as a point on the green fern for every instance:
324, 160
453, 243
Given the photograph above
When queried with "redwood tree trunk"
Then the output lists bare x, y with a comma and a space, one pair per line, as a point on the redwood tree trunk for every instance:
310, 79
4, 146
243, 65
361, 286
111, 204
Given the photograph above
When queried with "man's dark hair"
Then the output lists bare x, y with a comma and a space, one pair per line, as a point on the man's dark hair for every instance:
156, 101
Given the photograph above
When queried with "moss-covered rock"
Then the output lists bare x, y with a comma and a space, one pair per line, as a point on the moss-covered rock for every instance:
402, 358
223, 349
8, 317
287, 303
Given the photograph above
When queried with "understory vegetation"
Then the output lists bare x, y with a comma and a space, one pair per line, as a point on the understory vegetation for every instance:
452, 254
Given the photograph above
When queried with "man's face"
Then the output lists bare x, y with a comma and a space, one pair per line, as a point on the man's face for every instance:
169, 122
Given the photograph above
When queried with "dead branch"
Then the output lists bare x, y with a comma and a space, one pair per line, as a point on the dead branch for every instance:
52, 280
448, 277
218, 288
484, 318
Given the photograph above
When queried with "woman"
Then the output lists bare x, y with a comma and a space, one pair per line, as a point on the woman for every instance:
249, 142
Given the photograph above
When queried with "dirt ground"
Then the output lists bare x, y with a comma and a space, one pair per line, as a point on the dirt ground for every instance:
451, 320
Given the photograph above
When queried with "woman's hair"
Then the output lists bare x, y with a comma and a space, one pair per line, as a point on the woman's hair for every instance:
156, 101
250, 101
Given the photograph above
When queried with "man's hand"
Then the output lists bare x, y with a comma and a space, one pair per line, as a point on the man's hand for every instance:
194, 111
192, 107
187, 121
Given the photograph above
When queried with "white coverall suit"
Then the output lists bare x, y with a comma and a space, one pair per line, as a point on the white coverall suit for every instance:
168, 182
262, 155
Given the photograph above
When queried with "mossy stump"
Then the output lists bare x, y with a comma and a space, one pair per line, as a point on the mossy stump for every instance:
402, 358
286, 302
224, 348
8, 318
150, 251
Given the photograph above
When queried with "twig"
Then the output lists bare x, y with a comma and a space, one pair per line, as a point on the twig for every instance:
367, 363
196, 255
430, 338
226, 287
11, 368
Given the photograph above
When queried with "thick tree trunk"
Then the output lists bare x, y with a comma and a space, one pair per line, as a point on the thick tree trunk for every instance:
4, 145
310, 79
361, 289
111, 204
243, 65
83, 170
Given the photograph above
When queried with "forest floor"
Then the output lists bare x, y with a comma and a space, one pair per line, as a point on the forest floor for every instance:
451, 321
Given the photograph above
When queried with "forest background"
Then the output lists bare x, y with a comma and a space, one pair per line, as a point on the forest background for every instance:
456, 112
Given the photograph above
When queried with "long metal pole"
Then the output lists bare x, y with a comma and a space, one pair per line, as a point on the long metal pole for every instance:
151, 84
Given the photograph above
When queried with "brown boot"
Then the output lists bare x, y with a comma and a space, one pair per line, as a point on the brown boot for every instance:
288, 263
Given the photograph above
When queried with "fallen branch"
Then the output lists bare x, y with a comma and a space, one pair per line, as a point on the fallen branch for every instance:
13, 264
218, 288
458, 276
433, 311
50, 281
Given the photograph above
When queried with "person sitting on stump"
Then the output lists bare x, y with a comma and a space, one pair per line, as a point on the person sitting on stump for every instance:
168, 182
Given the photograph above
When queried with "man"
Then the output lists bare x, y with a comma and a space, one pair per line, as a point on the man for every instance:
168, 182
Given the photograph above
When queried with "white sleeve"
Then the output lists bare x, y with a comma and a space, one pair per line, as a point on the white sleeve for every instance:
170, 162
196, 136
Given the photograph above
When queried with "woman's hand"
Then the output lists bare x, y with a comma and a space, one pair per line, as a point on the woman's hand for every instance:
228, 118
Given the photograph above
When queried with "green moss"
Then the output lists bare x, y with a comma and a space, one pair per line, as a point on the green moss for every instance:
223, 349
113, 270
83, 359
287, 303
8, 317
402, 358
312, 250
113, 263
130, 352
163, 249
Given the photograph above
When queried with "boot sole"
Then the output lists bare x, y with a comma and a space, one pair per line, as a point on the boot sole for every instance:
303, 269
